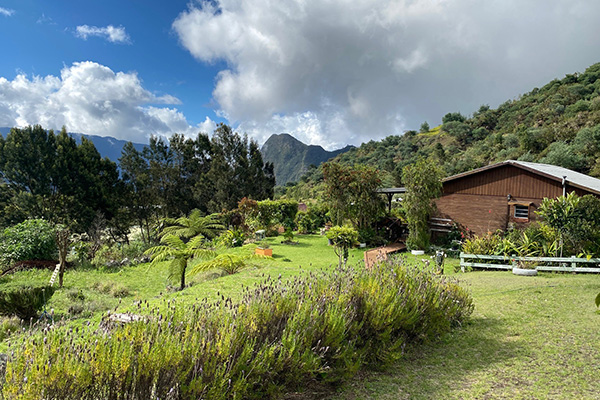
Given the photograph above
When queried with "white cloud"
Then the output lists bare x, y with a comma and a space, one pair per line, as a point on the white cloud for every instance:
6, 11
343, 71
111, 33
90, 98
44, 19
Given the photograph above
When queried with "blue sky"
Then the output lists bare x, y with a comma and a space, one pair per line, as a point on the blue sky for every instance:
330, 73
42, 40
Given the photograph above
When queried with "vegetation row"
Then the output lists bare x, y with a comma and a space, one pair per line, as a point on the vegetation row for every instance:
282, 335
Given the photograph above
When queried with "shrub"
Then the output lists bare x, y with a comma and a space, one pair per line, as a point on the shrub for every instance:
24, 301
113, 255
367, 235
30, 240
312, 219
288, 235
281, 335
232, 238
304, 222
118, 290
270, 213
490, 244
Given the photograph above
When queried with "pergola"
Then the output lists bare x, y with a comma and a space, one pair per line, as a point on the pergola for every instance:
390, 192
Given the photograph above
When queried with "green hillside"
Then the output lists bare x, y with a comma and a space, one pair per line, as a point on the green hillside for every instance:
557, 124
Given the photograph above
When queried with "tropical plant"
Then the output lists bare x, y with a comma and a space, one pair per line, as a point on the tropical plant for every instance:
342, 238
229, 263
179, 253
232, 238
559, 214
193, 225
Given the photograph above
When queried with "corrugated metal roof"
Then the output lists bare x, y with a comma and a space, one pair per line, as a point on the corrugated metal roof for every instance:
572, 177
554, 172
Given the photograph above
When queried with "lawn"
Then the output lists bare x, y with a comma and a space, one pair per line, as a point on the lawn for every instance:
529, 337
89, 292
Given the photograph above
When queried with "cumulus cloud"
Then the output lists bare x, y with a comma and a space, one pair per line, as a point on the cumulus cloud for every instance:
91, 98
340, 71
6, 11
111, 33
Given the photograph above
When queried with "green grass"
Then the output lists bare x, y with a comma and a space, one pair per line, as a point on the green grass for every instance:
529, 337
143, 282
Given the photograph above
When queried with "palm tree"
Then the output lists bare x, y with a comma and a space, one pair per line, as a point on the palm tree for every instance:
180, 253
193, 225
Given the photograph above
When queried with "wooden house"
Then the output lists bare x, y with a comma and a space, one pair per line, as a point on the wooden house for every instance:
503, 194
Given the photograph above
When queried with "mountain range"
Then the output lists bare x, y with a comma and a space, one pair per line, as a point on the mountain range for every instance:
291, 158
107, 146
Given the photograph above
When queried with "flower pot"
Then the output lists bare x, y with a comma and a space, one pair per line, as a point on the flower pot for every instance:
264, 252
417, 252
524, 271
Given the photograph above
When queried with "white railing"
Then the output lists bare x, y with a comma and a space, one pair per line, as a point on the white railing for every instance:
560, 264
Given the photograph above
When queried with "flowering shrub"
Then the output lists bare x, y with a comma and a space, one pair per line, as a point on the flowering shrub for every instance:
281, 335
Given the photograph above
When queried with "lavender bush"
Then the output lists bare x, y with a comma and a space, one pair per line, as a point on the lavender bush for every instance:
322, 326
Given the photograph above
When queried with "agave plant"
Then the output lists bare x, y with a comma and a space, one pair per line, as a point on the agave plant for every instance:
180, 253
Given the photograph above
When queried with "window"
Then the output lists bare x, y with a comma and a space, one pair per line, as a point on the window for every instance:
521, 211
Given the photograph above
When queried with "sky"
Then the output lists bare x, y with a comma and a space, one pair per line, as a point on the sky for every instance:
329, 72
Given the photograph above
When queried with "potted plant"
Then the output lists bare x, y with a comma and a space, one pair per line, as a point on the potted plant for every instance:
264, 249
524, 268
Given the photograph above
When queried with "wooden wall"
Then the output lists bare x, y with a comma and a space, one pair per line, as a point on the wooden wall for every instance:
503, 181
480, 201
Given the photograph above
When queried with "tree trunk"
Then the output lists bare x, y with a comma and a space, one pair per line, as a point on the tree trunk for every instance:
182, 279
62, 241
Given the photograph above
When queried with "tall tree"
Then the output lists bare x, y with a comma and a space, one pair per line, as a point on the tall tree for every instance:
423, 184
236, 171
53, 177
140, 196
351, 192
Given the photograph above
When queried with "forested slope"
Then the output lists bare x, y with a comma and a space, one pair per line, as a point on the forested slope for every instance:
556, 124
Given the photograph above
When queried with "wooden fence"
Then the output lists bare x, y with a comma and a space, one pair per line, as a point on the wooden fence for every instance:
560, 264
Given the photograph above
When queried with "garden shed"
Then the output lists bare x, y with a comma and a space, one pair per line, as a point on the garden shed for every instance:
504, 194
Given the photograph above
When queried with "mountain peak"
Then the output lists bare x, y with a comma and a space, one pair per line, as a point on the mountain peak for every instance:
291, 158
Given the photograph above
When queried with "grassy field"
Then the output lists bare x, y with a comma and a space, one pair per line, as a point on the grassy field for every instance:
529, 337
89, 292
